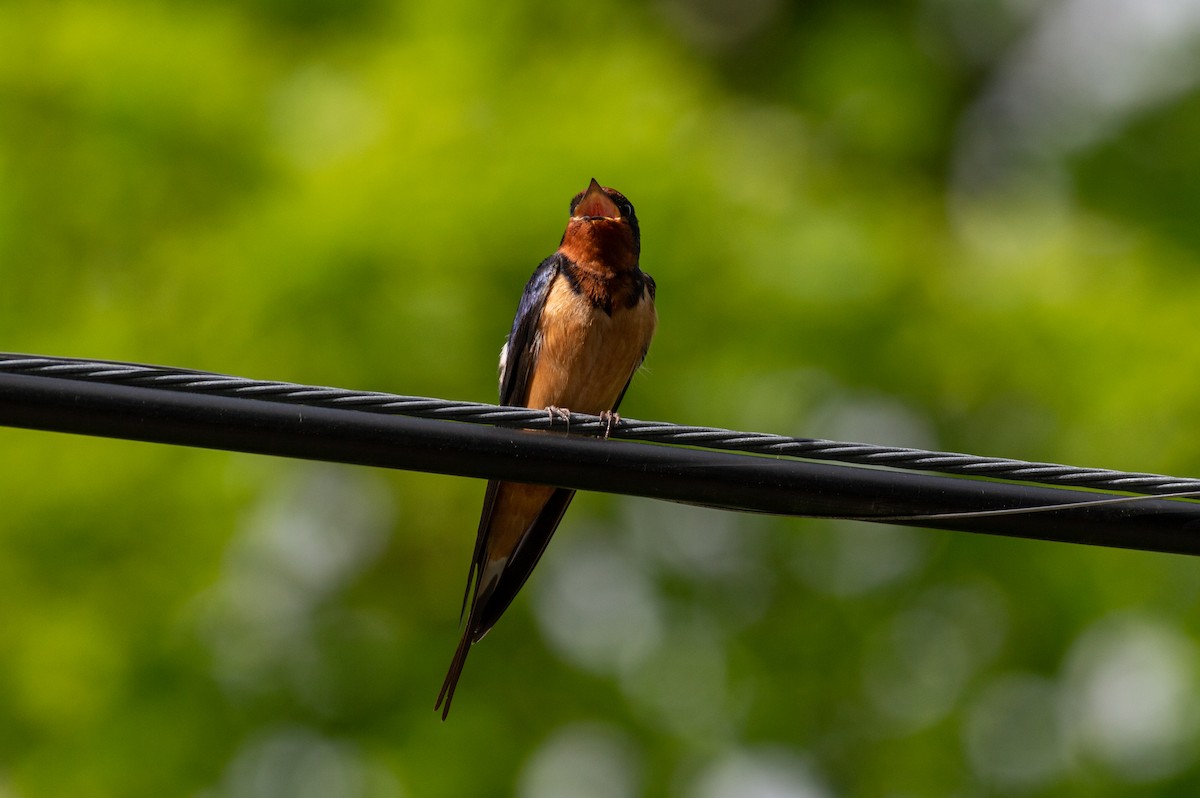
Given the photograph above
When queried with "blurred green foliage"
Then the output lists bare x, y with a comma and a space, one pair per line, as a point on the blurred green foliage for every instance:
868, 221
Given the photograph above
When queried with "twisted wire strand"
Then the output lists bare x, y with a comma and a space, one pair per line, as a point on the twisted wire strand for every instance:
861, 454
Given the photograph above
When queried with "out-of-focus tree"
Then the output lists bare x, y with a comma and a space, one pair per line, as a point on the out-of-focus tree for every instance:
966, 225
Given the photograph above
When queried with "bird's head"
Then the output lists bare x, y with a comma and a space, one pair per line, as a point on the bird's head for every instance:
603, 226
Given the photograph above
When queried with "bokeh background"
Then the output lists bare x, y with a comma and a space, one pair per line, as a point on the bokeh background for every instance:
960, 224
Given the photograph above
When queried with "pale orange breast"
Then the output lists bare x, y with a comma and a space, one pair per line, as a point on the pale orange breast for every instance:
587, 356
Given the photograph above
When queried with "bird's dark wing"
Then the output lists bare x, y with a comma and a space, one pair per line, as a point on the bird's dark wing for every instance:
521, 350
517, 363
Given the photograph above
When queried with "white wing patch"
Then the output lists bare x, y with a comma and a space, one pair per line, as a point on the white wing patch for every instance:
503, 364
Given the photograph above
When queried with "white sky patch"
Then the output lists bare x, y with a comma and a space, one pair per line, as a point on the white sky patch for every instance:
759, 773
296, 762
1132, 697
311, 535
1084, 69
581, 761
596, 605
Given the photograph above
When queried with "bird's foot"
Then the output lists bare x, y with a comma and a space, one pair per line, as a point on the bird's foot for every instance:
610, 419
559, 412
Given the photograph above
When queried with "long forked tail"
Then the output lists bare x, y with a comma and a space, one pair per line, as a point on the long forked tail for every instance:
492, 583
456, 666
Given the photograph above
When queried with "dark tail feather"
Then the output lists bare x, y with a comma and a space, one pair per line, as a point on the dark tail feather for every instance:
489, 601
485, 519
456, 666
500, 593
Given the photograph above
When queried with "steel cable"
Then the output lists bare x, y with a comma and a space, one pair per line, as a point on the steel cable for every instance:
201, 382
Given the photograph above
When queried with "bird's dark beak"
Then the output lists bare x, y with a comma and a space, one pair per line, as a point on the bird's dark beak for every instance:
596, 203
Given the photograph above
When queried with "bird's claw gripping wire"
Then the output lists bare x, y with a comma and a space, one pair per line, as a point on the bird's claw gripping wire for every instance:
560, 412
610, 419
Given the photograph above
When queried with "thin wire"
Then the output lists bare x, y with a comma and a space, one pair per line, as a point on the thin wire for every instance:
1041, 508
192, 381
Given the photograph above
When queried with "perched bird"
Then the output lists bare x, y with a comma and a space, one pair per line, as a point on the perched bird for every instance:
582, 329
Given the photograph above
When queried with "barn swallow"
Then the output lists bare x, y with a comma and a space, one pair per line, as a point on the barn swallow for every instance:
582, 329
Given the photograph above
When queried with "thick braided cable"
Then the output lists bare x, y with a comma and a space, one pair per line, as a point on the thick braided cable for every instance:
187, 380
